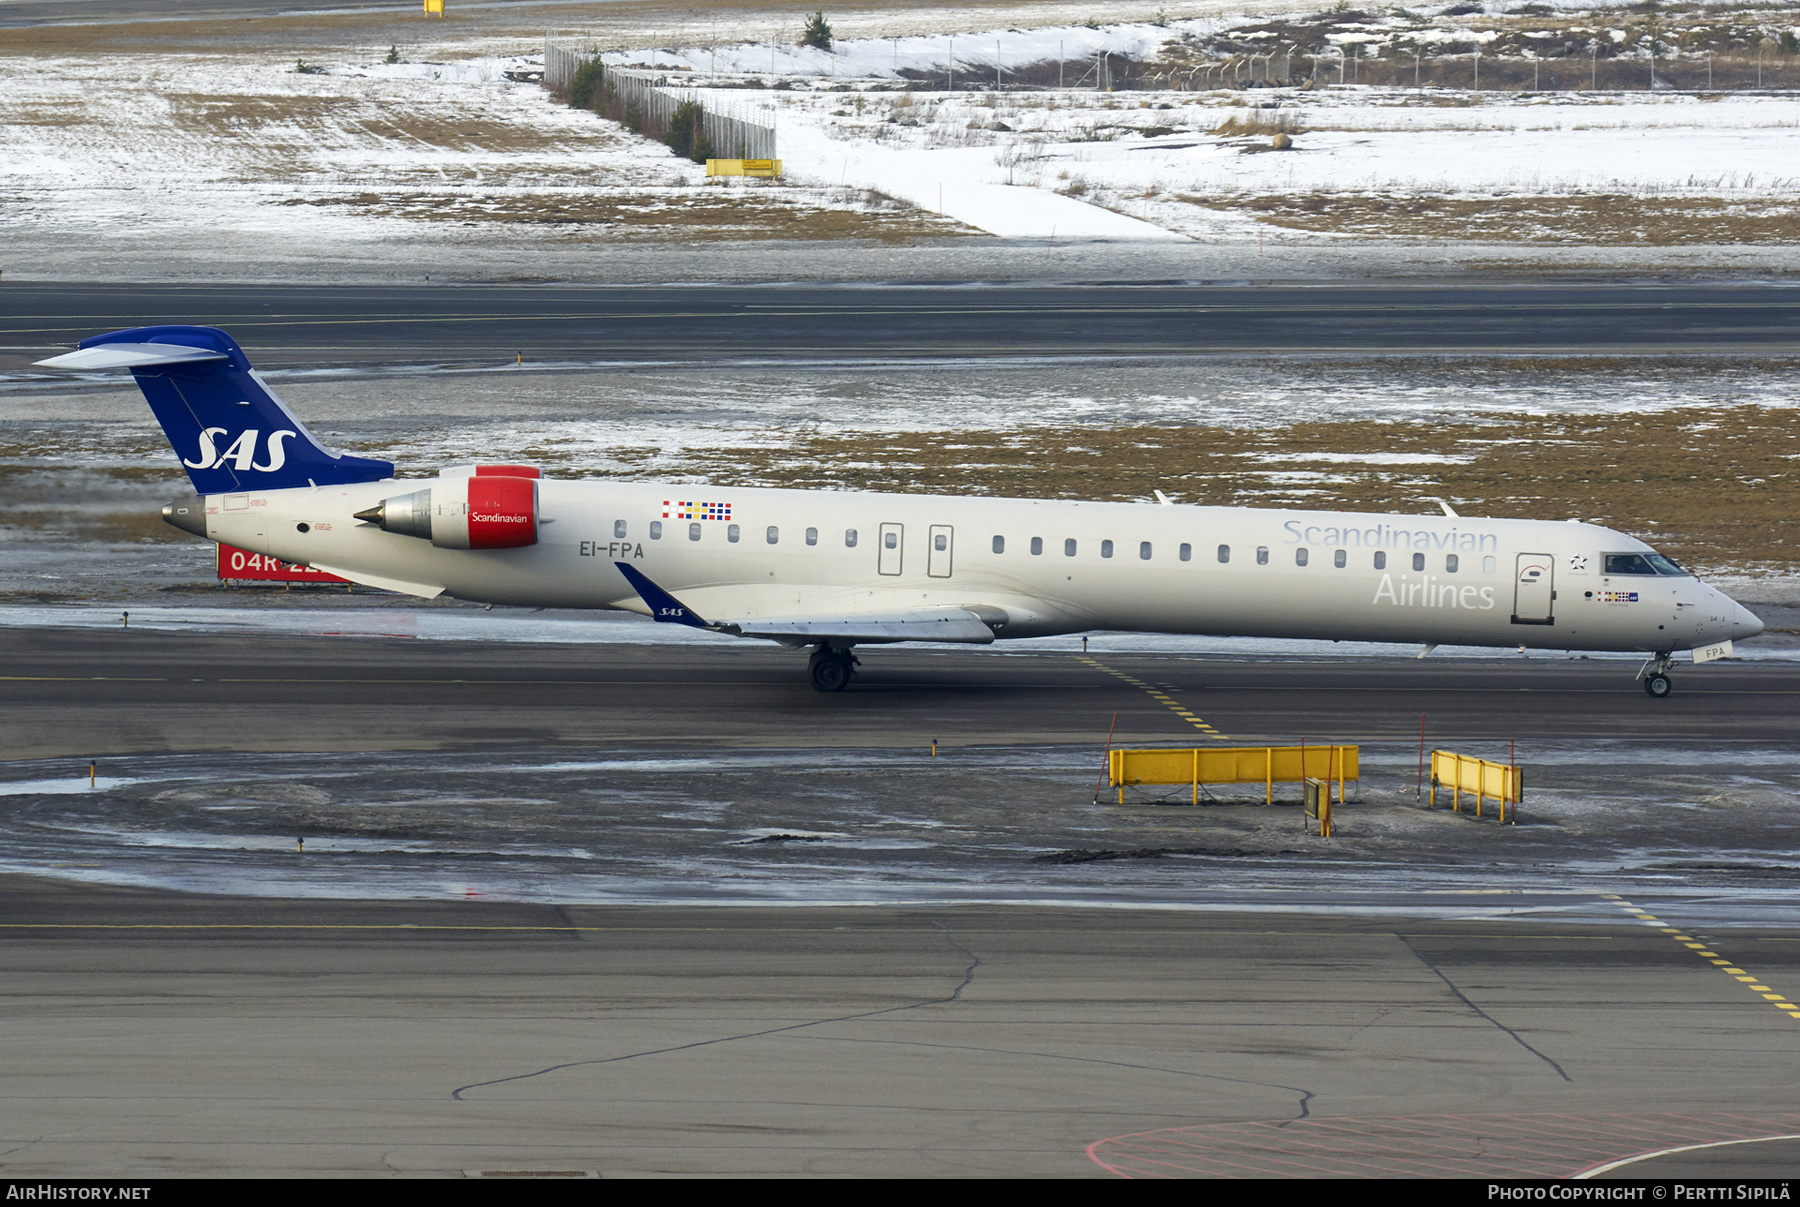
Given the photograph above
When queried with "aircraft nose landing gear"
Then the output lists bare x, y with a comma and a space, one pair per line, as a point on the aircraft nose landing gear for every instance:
830, 669
1655, 674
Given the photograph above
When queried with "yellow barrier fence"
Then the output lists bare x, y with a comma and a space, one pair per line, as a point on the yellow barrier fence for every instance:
1499, 782
765, 168
1266, 765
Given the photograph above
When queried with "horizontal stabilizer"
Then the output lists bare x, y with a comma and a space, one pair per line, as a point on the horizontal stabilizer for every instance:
129, 356
422, 590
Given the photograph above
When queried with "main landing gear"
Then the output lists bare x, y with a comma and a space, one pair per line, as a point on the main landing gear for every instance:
830, 669
1655, 674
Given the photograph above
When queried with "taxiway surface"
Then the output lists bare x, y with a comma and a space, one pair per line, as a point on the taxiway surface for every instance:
69, 692
160, 1034
491, 953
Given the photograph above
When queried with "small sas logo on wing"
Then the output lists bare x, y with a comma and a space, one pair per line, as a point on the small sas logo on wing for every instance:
1618, 597
673, 510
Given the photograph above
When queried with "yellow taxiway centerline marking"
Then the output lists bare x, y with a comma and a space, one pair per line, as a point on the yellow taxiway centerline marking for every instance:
1754, 984
1160, 697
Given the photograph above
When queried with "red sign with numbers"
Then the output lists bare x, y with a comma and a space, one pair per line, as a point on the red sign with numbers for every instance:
241, 563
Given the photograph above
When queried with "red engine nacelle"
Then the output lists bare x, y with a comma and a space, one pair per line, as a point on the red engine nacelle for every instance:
478, 512
495, 513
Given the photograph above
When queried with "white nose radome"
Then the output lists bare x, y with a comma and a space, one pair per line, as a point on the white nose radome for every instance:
1745, 623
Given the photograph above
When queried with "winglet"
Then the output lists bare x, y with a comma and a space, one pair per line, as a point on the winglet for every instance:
663, 606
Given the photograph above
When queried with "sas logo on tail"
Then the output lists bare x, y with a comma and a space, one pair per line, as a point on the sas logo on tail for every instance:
242, 451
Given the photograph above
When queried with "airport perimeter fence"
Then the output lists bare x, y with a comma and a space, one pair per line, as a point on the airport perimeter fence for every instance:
645, 103
1467, 71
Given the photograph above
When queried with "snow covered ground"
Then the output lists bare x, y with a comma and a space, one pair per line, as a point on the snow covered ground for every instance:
1180, 162
178, 154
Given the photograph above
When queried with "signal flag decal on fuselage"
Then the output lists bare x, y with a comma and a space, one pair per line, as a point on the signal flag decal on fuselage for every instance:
673, 510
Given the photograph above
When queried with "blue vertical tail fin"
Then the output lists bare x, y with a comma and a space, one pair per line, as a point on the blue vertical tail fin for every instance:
227, 427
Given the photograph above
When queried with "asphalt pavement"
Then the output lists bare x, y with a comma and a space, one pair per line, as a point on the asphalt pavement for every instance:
167, 1035
76, 692
450, 323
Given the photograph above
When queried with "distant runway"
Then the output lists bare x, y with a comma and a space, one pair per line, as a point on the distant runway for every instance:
17, 13
285, 327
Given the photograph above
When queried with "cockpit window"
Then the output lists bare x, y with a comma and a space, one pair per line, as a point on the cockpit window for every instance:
1643, 563
1628, 563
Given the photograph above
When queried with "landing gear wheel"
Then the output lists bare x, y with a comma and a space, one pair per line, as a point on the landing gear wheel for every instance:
1658, 685
830, 669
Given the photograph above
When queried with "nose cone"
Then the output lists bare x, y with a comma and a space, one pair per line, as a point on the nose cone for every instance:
1744, 623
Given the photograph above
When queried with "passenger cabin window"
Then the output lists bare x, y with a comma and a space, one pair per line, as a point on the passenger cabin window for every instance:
1187, 552
1418, 561
1451, 562
1489, 565
812, 536
1224, 554
656, 530
693, 532
1262, 555
619, 530
1069, 547
774, 535
999, 544
731, 533
849, 538
1340, 559
1144, 550
1381, 560
1037, 545
1105, 548
1300, 556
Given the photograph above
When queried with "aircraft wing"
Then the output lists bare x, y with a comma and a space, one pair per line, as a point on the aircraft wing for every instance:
926, 624
964, 625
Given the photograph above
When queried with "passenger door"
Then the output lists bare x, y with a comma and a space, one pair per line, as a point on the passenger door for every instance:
892, 546
1534, 592
943, 546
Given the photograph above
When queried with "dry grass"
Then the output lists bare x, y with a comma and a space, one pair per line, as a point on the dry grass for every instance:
1714, 488
1257, 123
1607, 219
277, 118
710, 214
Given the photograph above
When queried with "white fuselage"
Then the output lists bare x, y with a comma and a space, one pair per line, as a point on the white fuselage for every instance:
1052, 566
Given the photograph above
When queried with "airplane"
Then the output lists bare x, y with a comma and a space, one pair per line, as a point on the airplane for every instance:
827, 571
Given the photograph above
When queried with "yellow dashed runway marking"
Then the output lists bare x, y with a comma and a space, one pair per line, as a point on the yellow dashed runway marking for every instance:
1160, 696
1779, 1000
